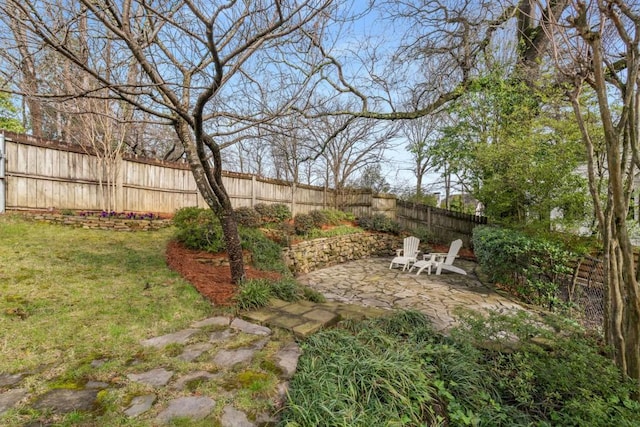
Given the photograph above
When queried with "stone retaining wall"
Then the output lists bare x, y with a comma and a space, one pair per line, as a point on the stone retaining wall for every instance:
311, 255
99, 223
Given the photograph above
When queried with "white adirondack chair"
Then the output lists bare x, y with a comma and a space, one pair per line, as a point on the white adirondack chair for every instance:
408, 254
441, 261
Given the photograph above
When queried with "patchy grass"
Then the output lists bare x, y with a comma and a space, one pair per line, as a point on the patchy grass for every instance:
69, 297
69, 294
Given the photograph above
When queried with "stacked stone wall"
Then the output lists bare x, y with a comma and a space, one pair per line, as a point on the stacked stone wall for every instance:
100, 223
314, 254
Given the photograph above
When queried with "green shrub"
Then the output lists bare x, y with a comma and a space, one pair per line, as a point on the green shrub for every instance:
265, 253
281, 212
186, 216
286, 289
266, 212
282, 233
248, 217
199, 229
335, 216
549, 378
379, 222
319, 218
303, 223
256, 293
530, 267
312, 295
253, 293
273, 213
424, 234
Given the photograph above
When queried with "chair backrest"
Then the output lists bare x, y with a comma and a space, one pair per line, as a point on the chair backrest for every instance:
453, 251
410, 246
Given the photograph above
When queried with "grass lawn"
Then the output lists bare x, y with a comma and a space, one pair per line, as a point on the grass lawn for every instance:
68, 295
72, 296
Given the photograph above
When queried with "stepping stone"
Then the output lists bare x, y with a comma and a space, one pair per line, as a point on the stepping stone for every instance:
62, 401
307, 329
220, 336
326, 317
10, 398
231, 417
212, 321
98, 363
230, 358
250, 328
287, 359
179, 337
200, 376
10, 379
154, 378
193, 407
192, 352
98, 385
140, 405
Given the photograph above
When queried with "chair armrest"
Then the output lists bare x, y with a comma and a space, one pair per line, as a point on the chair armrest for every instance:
399, 252
433, 256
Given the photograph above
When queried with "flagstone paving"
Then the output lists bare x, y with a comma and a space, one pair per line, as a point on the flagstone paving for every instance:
355, 290
370, 283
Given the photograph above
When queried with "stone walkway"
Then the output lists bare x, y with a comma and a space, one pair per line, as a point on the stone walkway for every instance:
358, 289
219, 350
370, 283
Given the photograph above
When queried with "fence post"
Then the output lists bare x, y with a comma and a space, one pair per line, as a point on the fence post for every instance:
253, 190
293, 198
2, 177
324, 197
119, 190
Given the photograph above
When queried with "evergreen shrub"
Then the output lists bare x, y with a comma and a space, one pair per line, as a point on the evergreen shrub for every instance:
531, 267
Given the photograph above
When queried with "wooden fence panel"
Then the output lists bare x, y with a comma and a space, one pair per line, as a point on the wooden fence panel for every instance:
45, 174
443, 224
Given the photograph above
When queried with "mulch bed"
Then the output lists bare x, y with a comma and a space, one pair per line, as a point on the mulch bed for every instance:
213, 282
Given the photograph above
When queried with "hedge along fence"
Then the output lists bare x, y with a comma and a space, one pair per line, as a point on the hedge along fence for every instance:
541, 272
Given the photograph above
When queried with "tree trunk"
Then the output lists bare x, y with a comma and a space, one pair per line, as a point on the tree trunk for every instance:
211, 187
233, 244
622, 317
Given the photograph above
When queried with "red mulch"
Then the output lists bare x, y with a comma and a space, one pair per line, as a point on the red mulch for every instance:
214, 283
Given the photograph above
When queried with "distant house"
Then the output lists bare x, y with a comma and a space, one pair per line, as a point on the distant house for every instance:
463, 202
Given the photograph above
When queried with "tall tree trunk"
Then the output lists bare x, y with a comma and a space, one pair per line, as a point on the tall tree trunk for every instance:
211, 187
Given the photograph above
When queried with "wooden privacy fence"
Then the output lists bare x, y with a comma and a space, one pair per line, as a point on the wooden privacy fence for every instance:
445, 225
50, 175
46, 175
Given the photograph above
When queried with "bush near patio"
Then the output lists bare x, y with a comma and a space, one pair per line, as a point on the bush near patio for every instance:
379, 222
528, 267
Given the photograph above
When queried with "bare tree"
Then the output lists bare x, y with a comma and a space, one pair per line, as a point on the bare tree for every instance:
191, 55
598, 48
347, 152
421, 134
